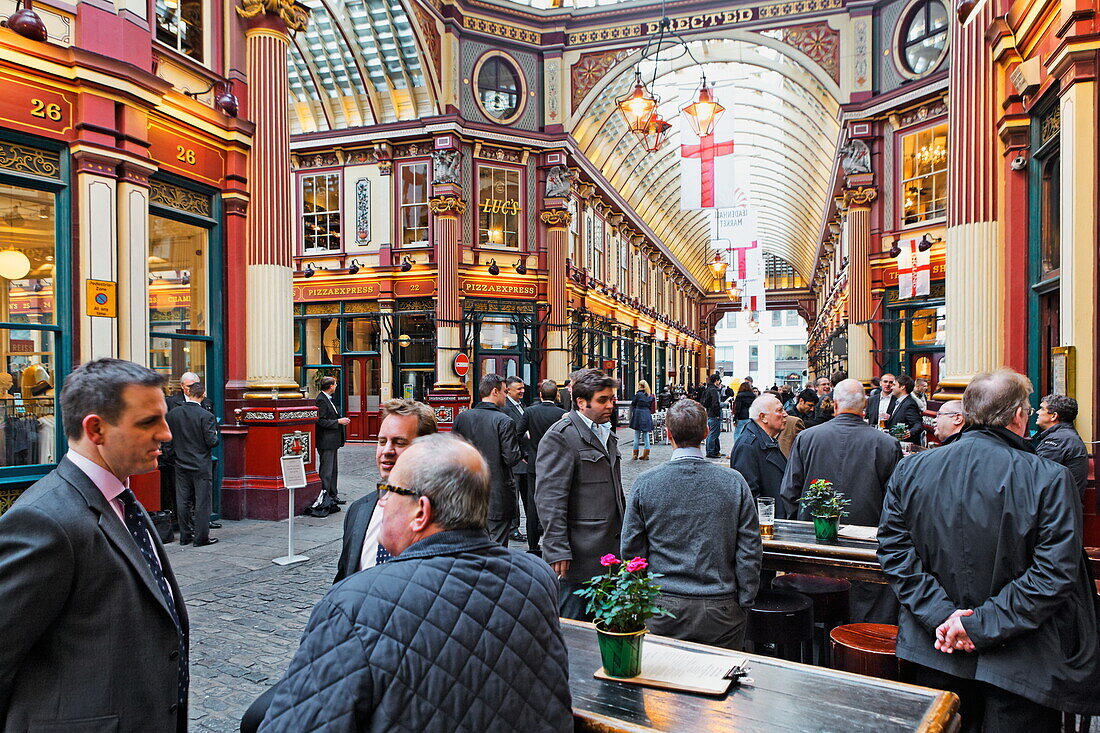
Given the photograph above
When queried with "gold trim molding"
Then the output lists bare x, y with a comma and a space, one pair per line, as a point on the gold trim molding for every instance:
556, 218
286, 10
22, 159
447, 205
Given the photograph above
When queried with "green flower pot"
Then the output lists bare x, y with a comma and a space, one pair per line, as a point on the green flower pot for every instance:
621, 653
825, 528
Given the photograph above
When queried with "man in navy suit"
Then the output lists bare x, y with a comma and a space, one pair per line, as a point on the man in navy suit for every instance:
330, 438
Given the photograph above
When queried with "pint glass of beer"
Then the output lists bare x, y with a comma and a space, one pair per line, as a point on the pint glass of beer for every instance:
765, 509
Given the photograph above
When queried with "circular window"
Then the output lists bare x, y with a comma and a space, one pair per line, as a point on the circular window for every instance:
499, 88
923, 39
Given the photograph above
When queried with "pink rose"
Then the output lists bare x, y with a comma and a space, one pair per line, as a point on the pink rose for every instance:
636, 564
609, 560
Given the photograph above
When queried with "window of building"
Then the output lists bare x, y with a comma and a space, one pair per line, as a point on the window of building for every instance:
179, 25
499, 207
498, 333
361, 335
499, 90
624, 265
598, 241
790, 352
792, 318
777, 318
924, 175
574, 230
321, 212
1050, 199
924, 36
754, 358
414, 204
927, 327
178, 292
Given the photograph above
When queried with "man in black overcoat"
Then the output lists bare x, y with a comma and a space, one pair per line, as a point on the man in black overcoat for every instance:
330, 438
534, 423
194, 435
756, 454
981, 540
494, 434
907, 412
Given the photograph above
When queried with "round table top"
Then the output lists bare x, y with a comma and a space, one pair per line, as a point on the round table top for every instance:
872, 638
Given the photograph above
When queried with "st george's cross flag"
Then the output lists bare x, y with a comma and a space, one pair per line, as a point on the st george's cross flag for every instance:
914, 270
706, 164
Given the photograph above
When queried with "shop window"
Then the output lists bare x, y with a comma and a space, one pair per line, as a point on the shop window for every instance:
361, 335
924, 175
321, 212
180, 24
414, 204
499, 207
1050, 233
172, 357
498, 332
499, 88
177, 277
923, 38
927, 327
322, 340
28, 431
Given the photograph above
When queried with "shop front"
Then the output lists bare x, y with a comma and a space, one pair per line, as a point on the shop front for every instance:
502, 337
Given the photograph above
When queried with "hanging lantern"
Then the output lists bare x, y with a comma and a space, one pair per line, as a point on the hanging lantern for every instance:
653, 133
718, 267
703, 113
638, 106
14, 265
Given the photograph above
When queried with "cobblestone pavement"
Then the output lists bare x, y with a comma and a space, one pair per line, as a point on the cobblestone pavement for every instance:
247, 614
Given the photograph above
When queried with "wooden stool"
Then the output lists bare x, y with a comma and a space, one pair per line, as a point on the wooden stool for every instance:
830, 597
866, 649
784, 618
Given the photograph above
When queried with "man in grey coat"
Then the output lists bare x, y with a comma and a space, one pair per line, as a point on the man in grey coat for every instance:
94, 627
579, 489
494, 434
859, 460
705, 541
1058, 439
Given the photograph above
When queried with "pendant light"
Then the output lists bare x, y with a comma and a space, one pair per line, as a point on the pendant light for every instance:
654, 133
638, 106
704, 112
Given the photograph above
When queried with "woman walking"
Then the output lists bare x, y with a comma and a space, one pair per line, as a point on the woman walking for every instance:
642, 408
741, 404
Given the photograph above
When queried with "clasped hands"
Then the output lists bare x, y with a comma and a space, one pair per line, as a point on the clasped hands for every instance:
950, 635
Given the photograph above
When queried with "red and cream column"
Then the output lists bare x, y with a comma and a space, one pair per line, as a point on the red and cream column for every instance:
557, 222
273, 417
974, 288
449, 394
860, 308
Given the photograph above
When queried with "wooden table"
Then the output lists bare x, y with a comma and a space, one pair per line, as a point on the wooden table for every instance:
783, 696
794, 549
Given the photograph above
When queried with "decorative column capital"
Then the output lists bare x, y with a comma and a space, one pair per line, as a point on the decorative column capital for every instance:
861, 196
447, 205
292, 15
556, 218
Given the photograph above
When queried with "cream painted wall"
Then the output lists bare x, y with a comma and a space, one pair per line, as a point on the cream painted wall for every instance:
381, 197
98, 260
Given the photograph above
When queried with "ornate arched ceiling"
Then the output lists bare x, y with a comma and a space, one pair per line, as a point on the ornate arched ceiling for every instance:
785, 129
357, 63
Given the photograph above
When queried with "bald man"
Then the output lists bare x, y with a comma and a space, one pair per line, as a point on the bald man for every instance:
757, 455
950, 421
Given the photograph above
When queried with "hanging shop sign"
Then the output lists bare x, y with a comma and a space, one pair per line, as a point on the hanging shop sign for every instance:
500, 288
185, 154
461, 364
36, 108
306, 292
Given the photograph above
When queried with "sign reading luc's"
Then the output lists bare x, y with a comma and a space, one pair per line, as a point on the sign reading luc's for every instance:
500, 206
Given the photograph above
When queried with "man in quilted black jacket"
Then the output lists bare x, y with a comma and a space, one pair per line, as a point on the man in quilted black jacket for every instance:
456, 633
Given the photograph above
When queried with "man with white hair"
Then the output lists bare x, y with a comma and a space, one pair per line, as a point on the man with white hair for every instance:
756, 454
179, 398
859, 460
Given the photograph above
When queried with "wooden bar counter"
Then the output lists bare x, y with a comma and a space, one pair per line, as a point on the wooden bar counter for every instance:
782, 696
794, 549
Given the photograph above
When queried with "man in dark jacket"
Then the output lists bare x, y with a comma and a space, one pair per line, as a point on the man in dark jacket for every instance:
178, 398
805, 408
981, 540
514, 389
756, 454
880, 405
579, 489
194, 435
494, 434
711, 399
456, 633
1058, 439
907, 413
533, 423
330, 438
859, 460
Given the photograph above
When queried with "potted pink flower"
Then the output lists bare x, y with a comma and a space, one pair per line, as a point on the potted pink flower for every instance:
621, 602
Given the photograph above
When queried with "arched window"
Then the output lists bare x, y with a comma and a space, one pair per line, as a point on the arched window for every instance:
924, 36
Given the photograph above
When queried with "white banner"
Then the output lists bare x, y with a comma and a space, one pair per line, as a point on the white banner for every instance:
706, 164
914, 270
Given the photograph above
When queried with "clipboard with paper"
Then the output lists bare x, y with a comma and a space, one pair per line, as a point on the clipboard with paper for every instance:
669, 668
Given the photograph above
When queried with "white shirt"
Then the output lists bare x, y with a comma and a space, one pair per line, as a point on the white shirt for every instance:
884, 406
602, 432
369, 556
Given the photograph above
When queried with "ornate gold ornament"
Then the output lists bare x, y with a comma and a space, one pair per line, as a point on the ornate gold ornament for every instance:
556, 217
21, 159
860, 196
174, 197
446, 205
286, 10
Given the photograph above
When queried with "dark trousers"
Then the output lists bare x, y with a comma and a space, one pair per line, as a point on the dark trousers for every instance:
327, 470
502, 503
714, 621
570, 605
526, 487
193, 489
985, 708
714, 430
250, 723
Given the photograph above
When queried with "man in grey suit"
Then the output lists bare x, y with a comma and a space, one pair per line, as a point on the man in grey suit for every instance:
859, 460
707, 546
94, 627
579, 489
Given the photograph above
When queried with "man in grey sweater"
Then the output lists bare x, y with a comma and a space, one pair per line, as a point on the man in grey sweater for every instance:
695, 522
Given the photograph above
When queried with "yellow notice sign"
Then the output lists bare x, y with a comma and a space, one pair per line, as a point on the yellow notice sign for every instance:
102, 298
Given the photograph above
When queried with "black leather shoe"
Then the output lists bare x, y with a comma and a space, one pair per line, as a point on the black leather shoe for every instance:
211, 541
341, 502
185, 541
215, 525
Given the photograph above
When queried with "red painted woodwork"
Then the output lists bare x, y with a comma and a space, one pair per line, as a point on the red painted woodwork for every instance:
146, 488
